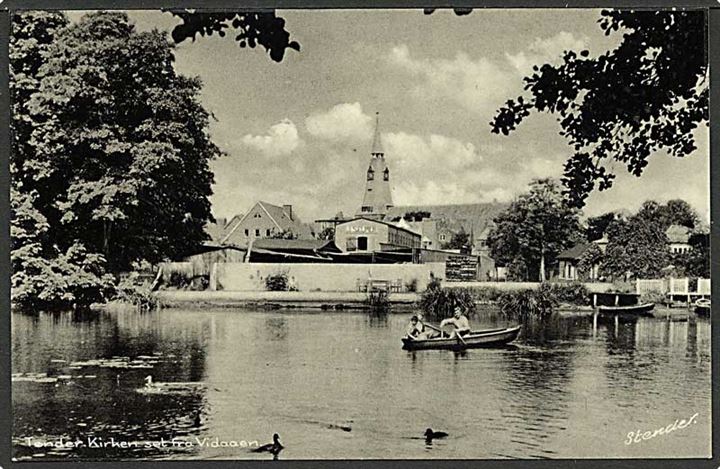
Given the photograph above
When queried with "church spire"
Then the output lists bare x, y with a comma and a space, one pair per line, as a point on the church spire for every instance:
377, 148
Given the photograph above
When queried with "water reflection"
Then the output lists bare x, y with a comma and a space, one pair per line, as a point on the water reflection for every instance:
338, 385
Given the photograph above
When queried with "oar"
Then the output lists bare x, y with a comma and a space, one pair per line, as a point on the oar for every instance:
460, 337
442, 332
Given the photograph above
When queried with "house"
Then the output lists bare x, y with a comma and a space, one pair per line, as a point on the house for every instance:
366, 235
264, 220
569, 260
474, 219
678, 239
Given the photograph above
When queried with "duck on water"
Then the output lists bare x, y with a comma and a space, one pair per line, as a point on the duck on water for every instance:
273, 448
431, 435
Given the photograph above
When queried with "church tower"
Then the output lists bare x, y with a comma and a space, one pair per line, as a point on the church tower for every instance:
377, 198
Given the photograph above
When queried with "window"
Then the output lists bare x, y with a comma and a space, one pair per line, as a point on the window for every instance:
362, 243
267, 232
257, 232
351, 244
442, 237
386, 175
370, 174
247, 232
366, 209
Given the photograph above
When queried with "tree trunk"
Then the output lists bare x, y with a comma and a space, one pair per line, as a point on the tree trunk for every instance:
542, 264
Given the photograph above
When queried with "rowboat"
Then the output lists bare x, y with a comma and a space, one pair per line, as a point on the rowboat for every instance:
475, 339
643, 309
702, 307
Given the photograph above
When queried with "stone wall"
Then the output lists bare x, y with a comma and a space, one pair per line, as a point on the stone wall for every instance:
320, 277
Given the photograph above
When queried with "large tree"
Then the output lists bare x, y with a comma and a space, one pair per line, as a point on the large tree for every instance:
646, 96
637, 247
534, 229
110, 151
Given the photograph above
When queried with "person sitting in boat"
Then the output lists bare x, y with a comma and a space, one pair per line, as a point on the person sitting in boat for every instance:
416, 328
459, 320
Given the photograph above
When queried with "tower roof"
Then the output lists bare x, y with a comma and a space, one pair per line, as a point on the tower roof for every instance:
377, 148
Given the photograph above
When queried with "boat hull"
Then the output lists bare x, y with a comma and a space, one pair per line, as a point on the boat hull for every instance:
476, 339
644, 309
702, 307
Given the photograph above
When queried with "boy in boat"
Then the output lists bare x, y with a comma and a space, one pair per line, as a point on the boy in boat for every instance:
415, 329
460, 321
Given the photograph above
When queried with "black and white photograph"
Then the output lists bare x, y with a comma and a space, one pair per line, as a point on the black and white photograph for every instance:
405, 234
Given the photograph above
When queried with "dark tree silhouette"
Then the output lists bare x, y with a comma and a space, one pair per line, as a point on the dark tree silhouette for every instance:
646, 95
253, 28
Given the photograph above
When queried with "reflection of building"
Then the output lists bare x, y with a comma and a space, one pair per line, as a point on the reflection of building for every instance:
264, 220
366, 235
377, 198
678, 239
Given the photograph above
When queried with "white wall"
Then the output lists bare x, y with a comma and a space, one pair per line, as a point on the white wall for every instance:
233, 276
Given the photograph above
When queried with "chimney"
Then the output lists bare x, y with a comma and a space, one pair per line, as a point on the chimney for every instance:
288, 210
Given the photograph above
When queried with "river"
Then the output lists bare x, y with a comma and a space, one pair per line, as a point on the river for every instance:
337, 385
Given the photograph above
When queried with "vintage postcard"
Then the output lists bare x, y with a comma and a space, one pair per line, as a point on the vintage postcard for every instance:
360, 234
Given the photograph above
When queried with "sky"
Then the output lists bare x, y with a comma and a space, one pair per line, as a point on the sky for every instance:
299, 132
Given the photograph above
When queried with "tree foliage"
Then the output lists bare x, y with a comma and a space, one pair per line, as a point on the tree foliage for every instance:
253, 28
596, 226
637, 247
645, 96
533, 230
459, 240
328, 233
110, 153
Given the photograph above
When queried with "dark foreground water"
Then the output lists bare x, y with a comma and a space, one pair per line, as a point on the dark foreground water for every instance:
338, 385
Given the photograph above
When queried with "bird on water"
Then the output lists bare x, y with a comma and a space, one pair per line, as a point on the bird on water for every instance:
430, 435
273, 448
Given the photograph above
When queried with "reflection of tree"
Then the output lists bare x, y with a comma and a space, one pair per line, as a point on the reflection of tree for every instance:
106, 404
378, 318
276, 328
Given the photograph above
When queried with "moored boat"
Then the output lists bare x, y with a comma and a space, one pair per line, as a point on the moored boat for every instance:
702, 307
644, 309
475, 339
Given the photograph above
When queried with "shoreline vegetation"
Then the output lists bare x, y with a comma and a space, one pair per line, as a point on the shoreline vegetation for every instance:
519, 302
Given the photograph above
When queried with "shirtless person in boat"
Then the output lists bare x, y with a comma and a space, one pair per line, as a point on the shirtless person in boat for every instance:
460, 321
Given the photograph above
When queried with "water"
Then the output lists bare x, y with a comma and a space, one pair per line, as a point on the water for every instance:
565, 390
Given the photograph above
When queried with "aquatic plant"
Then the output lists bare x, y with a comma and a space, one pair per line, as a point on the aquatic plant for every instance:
438, 302
524, 304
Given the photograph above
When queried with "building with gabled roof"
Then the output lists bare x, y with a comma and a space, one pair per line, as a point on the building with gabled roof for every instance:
265, 220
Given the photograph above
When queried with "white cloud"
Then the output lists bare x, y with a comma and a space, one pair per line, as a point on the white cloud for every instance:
281, 140
411, 151
477, 85
449, 192
344, 122
546, 50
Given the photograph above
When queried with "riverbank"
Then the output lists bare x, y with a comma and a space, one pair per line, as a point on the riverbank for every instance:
344, 301
278, 299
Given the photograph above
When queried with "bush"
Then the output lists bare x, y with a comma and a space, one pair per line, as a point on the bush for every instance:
574, 293
523, 304
132, 289
73, 280
411, 286
652, 297
179, 280
277, 282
